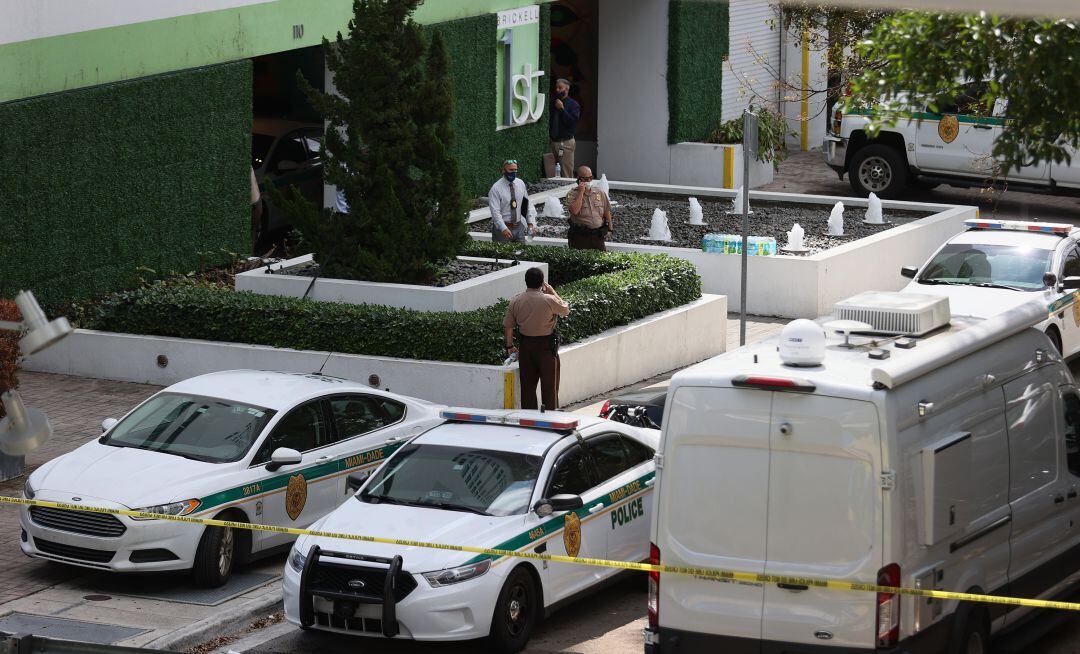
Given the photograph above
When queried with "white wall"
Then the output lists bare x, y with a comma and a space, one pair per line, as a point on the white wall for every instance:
817, 77
754, 64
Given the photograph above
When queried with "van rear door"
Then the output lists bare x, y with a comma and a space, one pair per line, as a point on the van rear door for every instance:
711, 509
824, 519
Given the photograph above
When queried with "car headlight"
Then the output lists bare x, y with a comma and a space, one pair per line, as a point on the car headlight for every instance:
183, 507
457, 575
28, 490
297, 560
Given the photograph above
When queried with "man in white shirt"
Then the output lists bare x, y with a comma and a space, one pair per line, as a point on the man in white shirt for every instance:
507, 199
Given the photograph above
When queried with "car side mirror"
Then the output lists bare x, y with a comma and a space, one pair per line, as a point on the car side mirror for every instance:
1070, 283
1049, 280
107, 424
562, 502
357, 479
287, 166
284, 456
909, 271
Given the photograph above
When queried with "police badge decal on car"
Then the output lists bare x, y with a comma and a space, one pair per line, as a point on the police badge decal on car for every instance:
948, 128
296, 496
571, 537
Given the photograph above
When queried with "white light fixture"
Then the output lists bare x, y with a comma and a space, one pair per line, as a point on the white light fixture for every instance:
26, 428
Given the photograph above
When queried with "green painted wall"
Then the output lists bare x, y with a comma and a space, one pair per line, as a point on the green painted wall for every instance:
697, 46
58, 63
100, 181
480, 148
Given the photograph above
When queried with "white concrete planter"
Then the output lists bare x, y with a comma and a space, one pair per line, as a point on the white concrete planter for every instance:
614, 358
807, 286
716, 166
471, 294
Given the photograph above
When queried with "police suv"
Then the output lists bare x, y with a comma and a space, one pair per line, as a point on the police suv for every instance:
509, 480
913, 451
999, 264
261, 447
950, 146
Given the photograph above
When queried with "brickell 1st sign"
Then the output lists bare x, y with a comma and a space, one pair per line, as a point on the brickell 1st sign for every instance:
518, 69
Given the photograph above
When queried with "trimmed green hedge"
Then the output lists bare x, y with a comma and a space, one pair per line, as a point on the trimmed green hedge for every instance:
697, 47
604, 290
102, 180
479, 148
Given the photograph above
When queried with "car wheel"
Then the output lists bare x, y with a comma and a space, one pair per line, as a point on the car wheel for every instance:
215, 557
878, 169
515, 613
1055, 337
971, 631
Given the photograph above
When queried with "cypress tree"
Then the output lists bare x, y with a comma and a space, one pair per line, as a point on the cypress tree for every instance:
387, 146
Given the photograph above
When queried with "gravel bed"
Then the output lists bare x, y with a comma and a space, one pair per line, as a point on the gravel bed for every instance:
454, 272
633, 217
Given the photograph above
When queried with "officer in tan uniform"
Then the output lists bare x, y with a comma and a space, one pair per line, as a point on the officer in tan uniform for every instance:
535, 314
590, 214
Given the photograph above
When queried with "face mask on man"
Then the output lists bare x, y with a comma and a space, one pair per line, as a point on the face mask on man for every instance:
510, 175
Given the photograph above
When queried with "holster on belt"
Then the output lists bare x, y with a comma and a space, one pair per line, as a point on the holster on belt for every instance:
587, 231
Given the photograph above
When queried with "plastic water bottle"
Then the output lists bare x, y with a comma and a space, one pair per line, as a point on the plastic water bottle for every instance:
558, 169
706, 243
511, 360
772, 246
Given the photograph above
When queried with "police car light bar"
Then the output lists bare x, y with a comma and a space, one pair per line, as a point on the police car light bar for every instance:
1020, 225
508, 419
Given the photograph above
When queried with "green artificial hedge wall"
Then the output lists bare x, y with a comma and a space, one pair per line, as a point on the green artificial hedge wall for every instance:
604, 290
101, 181
481, 149
697, 47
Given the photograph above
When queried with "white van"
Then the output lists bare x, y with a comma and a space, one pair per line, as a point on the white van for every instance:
946, 458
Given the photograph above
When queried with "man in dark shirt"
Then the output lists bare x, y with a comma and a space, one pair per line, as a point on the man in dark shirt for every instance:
565, 113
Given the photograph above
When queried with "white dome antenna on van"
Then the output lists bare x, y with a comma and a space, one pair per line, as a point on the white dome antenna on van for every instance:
802, 343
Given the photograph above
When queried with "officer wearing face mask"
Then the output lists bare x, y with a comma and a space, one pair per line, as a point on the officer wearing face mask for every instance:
590, 214
511, 211
563, 120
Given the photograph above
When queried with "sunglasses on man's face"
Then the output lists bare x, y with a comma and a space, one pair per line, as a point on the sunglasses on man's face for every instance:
585, 178
510, 162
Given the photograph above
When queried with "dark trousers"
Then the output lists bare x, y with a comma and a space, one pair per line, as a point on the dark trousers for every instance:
538, 362
585, 240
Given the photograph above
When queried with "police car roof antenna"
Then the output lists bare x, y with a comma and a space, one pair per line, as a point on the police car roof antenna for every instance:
319, 372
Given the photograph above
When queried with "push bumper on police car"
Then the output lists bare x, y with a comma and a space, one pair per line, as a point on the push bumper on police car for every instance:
835, 150
375, 596
103, 541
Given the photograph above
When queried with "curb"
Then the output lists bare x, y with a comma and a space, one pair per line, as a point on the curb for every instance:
221, 623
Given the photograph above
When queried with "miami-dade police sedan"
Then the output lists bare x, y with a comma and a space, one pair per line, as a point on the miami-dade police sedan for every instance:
515, 480
997, 265
261, 447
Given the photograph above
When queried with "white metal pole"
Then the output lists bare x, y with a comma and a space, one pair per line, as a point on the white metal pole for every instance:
749, 144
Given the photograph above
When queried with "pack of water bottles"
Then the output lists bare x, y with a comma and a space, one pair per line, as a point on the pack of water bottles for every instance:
757, 246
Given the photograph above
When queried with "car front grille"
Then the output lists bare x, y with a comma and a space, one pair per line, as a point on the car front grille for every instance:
367, 583
78, 522
72, 552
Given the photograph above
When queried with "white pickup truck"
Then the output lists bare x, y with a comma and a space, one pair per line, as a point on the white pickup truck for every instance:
927, 149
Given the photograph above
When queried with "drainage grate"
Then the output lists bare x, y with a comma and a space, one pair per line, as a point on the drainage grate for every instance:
177, 588
86, 632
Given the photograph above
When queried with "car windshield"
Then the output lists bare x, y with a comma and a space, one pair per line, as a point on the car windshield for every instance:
1016, 267
488, 482
260, 148
191, 426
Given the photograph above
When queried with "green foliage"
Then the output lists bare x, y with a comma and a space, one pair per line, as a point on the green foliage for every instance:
773, 131
697, 48
604, 290
101, 180
387, 148
480, 149
1027, 62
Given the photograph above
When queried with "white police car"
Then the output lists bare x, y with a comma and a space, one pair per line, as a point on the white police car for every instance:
261, 447
514, 480
997, 265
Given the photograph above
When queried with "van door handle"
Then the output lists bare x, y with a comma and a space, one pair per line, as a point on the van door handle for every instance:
795, 588
978, 126
322, 459
651, 482
1059, 499
598, 507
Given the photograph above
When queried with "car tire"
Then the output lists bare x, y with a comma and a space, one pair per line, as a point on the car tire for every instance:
1055, 337
516, 613
878, 169
215, 557
971, 631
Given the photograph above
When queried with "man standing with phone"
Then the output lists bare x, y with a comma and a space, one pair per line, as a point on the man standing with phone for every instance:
535, 313
508, 202
563, 120
590, 214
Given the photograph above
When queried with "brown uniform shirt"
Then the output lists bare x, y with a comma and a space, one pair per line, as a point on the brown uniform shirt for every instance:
534, 312
593, 208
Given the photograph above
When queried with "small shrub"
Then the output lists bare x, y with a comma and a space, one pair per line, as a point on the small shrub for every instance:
9, 350
772, 135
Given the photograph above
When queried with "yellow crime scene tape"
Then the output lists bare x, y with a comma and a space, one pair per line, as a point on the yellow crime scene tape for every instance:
707, 573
